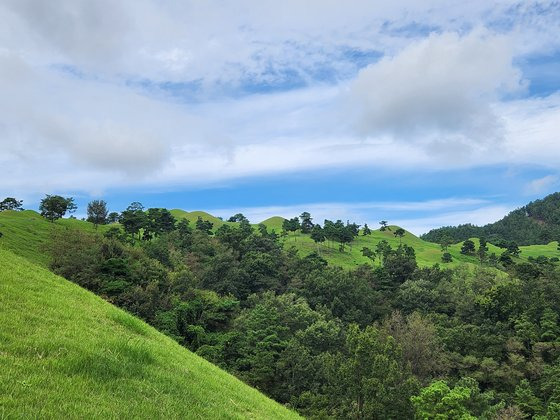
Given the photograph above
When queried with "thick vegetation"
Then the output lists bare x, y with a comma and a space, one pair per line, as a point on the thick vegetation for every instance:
536, 223
65, 353
386, 340
390, 338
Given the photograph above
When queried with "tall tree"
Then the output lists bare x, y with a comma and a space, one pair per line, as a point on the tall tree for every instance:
113, 217
54, 207
306, 222
134, 219
368, 253
468, 247
366, 230
97, 212
384, 225
317, 235
291, 225
204, 225
372, 379
239, 217
399, 233
159, 221
445, 241
10, 203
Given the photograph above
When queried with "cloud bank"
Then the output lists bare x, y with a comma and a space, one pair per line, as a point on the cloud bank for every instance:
99, 95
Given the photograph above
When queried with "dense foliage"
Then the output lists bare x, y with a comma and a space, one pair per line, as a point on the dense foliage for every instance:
536, 223
387, 340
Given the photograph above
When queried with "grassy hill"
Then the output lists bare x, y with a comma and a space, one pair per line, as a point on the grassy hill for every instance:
65, 353
24, 232
192, 217
427, 253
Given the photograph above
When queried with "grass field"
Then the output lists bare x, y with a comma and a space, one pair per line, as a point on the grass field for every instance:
24, 232
65, 353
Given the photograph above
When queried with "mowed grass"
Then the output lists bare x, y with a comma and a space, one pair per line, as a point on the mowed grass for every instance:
25, 232
66, 353
427, 253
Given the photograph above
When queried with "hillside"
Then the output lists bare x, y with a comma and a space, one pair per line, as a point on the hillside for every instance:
537, 223
24, 232
66, 353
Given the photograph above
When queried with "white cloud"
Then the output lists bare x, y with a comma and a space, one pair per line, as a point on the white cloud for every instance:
440, 88
74, 114
540, 185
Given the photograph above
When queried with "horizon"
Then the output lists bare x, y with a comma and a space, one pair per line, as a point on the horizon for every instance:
425, 115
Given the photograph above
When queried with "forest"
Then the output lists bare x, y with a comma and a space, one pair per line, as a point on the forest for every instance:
536, 223
384, 340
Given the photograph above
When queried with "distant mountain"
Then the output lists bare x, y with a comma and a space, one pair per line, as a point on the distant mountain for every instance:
536, 223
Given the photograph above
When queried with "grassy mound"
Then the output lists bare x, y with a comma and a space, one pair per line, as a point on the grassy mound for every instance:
65, 353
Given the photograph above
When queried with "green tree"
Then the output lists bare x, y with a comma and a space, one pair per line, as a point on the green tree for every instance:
239, 217
382, 249
513, 249
133, 219
366, 230
113, 217
10, 203
204, 225
291, 225
446, 257
317, 235
438, 401
526, 400
306, 222
468, 248
370, 379
158, 222
384, 226
445, 241
368, 253
505, 259
54, 207
97, 212
399, 233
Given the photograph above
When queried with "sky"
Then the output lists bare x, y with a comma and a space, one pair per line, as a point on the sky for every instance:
422, 113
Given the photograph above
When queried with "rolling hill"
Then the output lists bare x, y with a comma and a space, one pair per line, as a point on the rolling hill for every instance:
25, 232
66, 353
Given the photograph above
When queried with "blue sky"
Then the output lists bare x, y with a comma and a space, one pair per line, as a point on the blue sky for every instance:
422, 113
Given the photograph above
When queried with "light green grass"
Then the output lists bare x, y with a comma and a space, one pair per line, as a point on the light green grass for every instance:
65, 353
192, 217
427, 253
274, 223
24, 232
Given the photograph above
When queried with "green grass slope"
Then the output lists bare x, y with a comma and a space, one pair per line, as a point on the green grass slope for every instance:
273, 223
427, 253
192, 217
65, 353
24, 232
